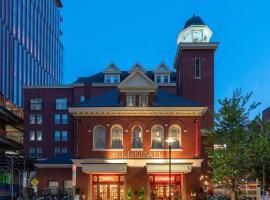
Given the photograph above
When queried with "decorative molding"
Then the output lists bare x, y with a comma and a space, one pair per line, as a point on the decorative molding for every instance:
138, 111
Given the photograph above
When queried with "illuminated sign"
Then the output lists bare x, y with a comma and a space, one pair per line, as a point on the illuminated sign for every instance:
164, 178
136, 154
108, 178
73, 175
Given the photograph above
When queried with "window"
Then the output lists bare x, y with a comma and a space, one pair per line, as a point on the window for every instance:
99, 137
174, 134
107, 79
32, 119
57, 135
32, 153
39, 135
53, 184
82, 98
64, 136
39, 153
166, 79
36, 104
131, 100
61, 103
137, 137
143, 100
158, 79
116, 137
64, 119
157, 136
64, 150
32, 136
115, 79
197, 68
57, 118
57, 151
39, 118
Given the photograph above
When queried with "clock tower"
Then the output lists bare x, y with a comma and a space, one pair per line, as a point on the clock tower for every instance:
194, 63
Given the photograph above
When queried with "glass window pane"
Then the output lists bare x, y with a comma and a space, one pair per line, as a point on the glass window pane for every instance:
32, 136
57, 135
57, 118
100, 137
117, 138
61, 103
157, 137
131, 100
64, 135
137, 138
32, 119
174, 134
39, 118
39, 136
64, 119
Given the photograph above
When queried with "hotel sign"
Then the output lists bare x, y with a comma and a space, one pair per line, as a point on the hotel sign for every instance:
136, 154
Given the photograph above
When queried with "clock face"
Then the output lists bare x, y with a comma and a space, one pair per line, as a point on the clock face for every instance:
197, 36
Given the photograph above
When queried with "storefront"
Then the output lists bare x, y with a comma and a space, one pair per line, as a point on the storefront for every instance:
108, 186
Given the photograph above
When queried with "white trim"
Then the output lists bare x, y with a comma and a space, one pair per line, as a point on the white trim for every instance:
136, 149
163, 135
119, 126
163, 168
104, 168
98, 125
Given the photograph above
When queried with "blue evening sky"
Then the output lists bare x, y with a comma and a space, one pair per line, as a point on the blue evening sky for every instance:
98, 32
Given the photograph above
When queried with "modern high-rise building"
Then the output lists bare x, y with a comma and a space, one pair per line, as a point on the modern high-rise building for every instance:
31, 52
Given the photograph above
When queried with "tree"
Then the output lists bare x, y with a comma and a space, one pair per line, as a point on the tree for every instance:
227, 141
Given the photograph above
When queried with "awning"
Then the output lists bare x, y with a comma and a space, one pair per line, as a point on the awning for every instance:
104, 168
164, 168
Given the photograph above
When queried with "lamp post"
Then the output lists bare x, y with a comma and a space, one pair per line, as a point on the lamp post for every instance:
169, 141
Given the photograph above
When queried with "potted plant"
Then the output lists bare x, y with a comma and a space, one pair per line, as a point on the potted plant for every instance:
130, 194
141, 193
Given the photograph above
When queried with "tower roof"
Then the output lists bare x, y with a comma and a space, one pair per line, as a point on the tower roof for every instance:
195, 20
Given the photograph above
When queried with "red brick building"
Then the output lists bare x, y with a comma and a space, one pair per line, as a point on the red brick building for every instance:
107, 133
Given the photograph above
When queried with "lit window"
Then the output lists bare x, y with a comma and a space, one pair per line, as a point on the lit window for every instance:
32, 136
39, 153
82, 98
32, 152
57, 151
32, 119
157, 136
197, 68
57, 118
137, 137
64, 150
99, 137
39, 118
64, 135
117, 137
39, 135
131, 100
64, 119
36, 104
61, 103
143, 100
174, 134
57, 135
53, 184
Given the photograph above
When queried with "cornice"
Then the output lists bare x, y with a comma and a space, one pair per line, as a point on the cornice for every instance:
138, 111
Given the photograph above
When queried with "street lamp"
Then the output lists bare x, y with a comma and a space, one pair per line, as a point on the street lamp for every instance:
170, 141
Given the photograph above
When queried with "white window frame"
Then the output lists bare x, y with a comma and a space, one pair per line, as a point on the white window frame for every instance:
94, 137
130, 98
120, 137
32, 119
61, 103
140, 100
39, 119
161, 137
36, 103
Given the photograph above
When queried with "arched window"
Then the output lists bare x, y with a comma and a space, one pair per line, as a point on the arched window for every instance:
175, 135
137, 137
99, 140
157, 136
116, 137
198, 68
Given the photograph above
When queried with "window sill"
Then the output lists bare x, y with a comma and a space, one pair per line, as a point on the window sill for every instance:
136, 149
166, 149
116, 149
99, 149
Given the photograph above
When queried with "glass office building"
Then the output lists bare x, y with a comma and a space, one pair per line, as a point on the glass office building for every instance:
31, 52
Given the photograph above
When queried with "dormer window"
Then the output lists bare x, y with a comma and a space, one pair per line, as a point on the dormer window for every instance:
143, 100
166, 79
158, 79
162, 78
111, 79
131, 100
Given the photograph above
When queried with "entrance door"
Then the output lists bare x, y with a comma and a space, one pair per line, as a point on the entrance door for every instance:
162, 191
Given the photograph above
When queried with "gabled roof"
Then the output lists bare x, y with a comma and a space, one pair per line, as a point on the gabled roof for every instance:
112, 69
137, 80
162, 68
136, 66
162, 99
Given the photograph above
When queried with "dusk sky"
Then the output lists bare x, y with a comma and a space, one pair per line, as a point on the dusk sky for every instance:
98, 32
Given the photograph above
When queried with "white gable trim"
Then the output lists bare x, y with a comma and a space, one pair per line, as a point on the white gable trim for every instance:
139, 74
162, 68
112, 69
136, 66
